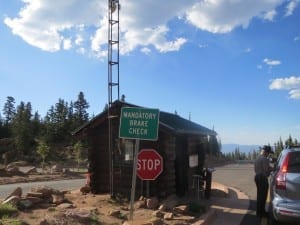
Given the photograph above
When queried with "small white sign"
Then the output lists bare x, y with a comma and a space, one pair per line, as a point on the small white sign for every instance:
193, 160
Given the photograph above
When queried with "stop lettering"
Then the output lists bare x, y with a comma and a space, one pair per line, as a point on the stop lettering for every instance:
149, 164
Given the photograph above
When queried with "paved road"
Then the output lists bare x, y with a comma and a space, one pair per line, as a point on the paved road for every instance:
5, 190
240, 176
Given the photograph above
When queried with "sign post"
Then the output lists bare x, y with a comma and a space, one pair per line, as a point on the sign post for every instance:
138, 123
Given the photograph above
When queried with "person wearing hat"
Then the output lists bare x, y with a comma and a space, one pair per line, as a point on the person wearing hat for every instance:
262, 169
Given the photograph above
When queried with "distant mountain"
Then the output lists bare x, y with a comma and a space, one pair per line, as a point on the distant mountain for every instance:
243, 148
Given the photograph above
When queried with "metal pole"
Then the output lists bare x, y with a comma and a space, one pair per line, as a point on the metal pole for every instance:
133, 183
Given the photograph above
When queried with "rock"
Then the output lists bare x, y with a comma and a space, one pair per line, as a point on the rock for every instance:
17, 163
182, 209
13, 169
114, 213
17, 192
156, 221
168, 204
85, 189
44, 222
58, 198
34, 200
65, 206
12, 200
152, 203
168, 216
78, 215
25, 204
34, 194
31, 170
139, 204
158, 214
45, 191
66, 170
56, 169
153, 221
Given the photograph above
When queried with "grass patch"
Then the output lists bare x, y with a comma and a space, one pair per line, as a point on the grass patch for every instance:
11, 221
7, 210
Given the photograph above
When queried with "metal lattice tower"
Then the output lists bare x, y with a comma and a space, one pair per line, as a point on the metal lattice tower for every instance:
113, 50
113, 77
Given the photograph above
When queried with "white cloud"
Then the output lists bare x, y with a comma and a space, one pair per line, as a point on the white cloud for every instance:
295, 94
271, 62
225, 15
49, 24
270, 15
67, 44
203, 46
291, 83
285, 83
146, 50
291, 7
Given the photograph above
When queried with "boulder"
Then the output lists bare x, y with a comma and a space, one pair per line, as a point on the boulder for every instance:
158, 214
181, 209
45, 191
31, 170
66, 206
57, 198
152, 203
168, 216
12, 200
85, 189
114, 213
56, 169
168, 204
139, 204
16, 192
12, 169
25, 204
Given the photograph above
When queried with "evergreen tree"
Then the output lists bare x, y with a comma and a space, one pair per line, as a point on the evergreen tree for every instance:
81, 106
9, 110
289, 142
56, 122
21, 128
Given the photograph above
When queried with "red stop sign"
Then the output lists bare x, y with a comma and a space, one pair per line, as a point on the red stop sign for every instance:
149, 164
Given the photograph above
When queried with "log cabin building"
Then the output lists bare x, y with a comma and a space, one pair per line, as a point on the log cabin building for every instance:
182, 144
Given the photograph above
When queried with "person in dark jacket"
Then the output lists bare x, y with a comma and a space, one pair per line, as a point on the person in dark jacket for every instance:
262, 170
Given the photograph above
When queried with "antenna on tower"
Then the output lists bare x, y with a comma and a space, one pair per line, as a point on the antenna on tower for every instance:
113, 77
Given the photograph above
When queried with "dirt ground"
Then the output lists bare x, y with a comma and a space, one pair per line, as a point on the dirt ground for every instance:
88, 209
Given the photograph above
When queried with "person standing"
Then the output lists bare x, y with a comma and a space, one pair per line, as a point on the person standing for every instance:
262, 171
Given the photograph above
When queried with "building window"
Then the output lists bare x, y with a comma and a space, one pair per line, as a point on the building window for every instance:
128, 150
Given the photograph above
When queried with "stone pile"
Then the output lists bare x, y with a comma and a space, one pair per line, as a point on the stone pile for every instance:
171, 208
38, 195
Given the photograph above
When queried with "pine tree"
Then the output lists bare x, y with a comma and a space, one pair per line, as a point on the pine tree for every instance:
9, 110
81, 106
22, 128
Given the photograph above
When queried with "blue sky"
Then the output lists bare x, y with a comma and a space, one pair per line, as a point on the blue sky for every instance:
229, 65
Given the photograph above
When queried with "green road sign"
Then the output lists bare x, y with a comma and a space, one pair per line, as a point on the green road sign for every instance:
139, 123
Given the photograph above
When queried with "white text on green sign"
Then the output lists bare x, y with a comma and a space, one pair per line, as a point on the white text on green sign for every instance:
139, 123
